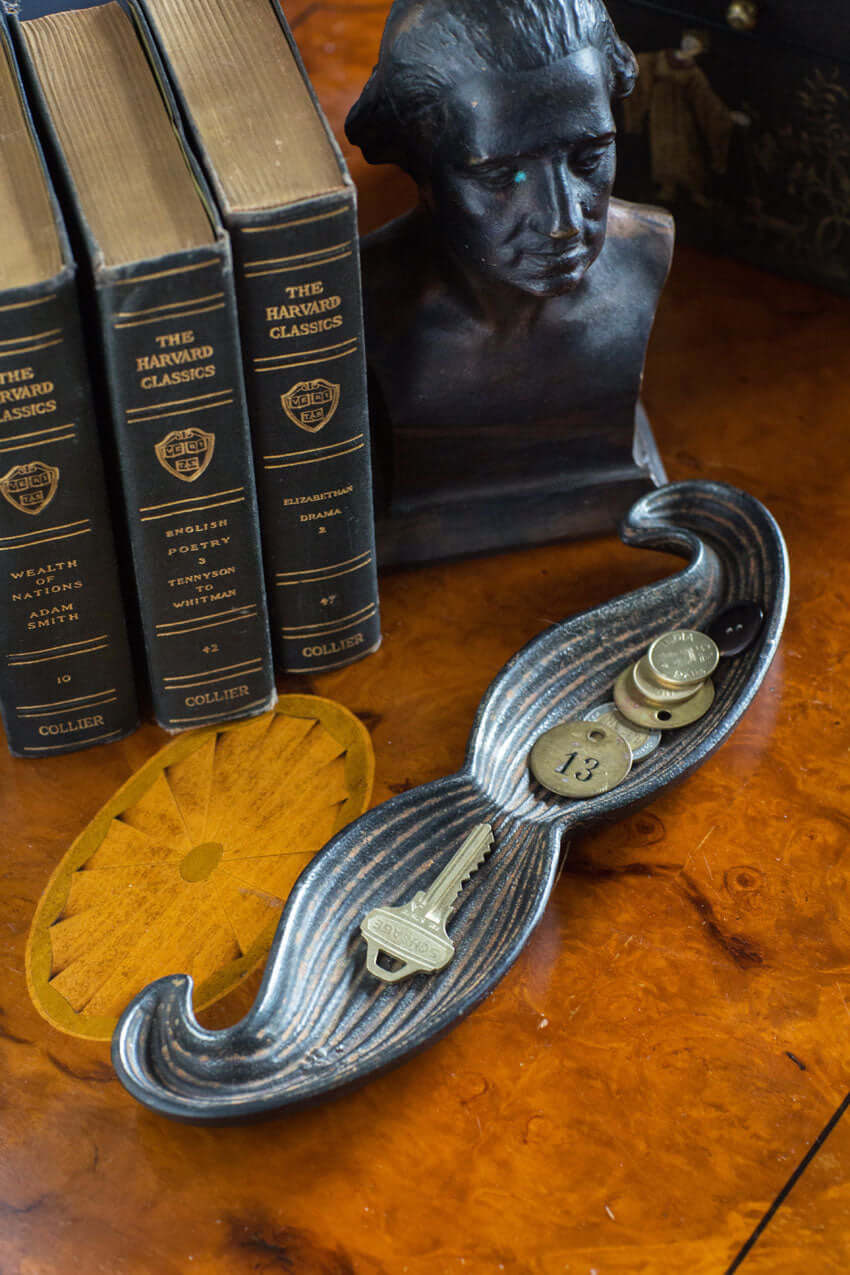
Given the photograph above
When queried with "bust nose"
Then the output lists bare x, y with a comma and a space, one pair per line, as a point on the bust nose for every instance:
559, 215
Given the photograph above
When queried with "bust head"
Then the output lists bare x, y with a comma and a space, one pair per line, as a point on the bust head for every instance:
501, 112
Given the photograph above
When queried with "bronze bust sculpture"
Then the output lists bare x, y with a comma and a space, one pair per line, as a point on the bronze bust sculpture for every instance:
507, 316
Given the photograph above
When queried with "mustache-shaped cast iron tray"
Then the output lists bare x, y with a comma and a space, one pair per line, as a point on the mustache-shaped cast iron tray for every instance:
321, 1022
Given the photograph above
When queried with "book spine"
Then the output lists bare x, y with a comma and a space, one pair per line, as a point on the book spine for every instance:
298, 288
66, 679
172, 363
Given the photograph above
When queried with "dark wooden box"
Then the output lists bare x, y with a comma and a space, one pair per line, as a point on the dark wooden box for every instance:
774, 187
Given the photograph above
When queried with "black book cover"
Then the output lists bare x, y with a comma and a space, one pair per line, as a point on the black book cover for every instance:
66, 679
168, 346
300, 311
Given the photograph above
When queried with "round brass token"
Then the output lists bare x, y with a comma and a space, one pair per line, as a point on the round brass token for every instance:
641, 741
655, 692
661, 718
580, 759
684, 657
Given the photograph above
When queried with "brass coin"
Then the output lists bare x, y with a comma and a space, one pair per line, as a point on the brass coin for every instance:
661, 718
641, 741
580, 759
647, 687
684, 657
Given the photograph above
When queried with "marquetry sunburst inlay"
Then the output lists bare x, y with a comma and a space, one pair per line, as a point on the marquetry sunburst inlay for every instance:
186, 869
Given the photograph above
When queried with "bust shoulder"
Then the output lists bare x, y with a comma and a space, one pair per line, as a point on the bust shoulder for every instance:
397, 271
640, 243
401, 242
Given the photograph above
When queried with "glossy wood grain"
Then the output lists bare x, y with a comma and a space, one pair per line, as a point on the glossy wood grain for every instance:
625, 1101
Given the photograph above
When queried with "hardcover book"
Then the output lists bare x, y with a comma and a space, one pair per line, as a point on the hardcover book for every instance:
289, 204
162, 287
66, 678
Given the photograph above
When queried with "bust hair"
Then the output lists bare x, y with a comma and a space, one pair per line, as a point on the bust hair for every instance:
429, 46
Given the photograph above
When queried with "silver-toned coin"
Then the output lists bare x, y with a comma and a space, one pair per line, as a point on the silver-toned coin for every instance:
580, 759
684, 657
641, 741
656, 692
652, 716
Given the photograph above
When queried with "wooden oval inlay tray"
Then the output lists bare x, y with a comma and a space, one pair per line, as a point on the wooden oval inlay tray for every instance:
188, 865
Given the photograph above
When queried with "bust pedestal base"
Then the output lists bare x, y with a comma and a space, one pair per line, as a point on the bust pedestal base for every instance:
591, 503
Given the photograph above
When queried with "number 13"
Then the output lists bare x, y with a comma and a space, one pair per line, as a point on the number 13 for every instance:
592, 763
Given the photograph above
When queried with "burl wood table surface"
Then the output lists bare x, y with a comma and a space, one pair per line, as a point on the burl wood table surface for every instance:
658, 1086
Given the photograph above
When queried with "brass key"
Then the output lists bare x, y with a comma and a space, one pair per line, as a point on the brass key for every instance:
415, 932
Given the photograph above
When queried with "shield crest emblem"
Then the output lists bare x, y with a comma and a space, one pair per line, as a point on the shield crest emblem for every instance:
311, 404
30, 488
186, 453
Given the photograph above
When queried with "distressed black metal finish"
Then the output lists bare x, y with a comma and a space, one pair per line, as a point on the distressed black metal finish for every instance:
321, 1022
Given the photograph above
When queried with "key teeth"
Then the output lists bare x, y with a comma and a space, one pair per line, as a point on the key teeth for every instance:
473, 867
485, 850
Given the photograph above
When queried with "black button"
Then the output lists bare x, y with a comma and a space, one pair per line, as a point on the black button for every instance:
736, 628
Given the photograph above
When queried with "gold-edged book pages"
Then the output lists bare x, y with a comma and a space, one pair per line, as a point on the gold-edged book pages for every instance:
262, 134
30, 251
135, 187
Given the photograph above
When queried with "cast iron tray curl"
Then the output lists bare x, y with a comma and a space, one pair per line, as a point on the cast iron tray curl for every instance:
321, 1022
